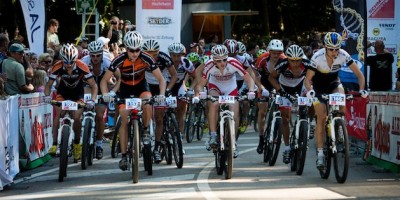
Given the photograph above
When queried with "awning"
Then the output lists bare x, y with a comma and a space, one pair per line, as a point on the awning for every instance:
221, 13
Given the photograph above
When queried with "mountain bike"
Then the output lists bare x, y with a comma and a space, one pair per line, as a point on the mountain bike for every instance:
195, 121
273, 131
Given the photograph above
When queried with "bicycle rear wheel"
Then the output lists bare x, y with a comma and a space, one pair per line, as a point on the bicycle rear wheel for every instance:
63, 153
148, 159
229, 145
134, 138
324, 173
276, 144
302, 147
341, 157
255, 119
190, 124
176, 141
201, 117
115, 148
85, 143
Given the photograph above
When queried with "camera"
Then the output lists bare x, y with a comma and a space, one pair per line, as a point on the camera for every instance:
113, 23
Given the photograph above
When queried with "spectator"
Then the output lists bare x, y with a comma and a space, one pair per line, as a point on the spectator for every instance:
45, 62
33, 59
194, 47
3, 94
113, 33
83, 42
39, 80
307, 51
106, 48
13, 68
4, 41
212, 41
52, 37
380, 78
129, 26
202, 46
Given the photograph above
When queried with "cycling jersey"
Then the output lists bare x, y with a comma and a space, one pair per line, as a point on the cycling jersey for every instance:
225, 82
71, 85
185, 66
326, 78
264, 67
246, 64
286, 76
163, 62
105, 63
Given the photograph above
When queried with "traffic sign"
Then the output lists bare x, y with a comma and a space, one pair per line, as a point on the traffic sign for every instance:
83, 6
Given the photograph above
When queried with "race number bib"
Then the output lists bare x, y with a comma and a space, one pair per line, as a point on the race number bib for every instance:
226, 99
133, 103
87, 97
337, 99
303, 101
171, 102
69, 105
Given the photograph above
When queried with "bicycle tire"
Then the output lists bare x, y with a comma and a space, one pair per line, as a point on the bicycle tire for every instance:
148, 159
267, 144
276, 144
293, 153
229, 145
167, 148
220, 162
324, 173
255, 120
190, 124
85, 143
341, 157
176, 141
302, 147
64, 153
115, 139
135, 150
200, 122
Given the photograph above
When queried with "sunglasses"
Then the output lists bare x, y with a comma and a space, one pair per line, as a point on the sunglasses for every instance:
95, 55
20, 53
69, 63
134, 50
47, 61
221, 60
332, 49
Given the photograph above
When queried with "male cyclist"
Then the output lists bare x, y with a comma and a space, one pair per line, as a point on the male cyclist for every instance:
98, 65
322, 78
132, 64
72, 74
287, 78
164, 63
219, 73
265, 65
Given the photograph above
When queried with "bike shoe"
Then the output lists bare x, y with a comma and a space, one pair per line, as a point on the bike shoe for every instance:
99, 152
213, 141
146, 137
157, 156
260, 147
53, 150
123, 164
320, 163
286, 157
77, 152
236, 152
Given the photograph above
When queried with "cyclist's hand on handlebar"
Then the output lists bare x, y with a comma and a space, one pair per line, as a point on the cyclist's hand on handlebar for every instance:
310, 94
251, 95
264, 92
364, 93
47, 99
90, 104
159, 98
195, 100
189, 93
168, 93
203, 95
282, 93
109, 97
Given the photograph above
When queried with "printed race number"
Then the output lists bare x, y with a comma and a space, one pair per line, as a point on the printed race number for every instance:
171, 102
69, 105
226, 99
337, 99
133, 104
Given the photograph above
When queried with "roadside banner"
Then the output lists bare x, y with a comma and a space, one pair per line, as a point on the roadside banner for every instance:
159, 20
356, 118
35, 16
9, 167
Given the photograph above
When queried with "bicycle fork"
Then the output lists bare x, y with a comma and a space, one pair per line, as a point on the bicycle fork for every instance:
71, 133
275, 115
333, 136
226, 114
91, 116
297, 132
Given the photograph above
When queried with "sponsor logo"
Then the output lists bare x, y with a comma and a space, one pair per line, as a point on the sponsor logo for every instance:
159, 20
376, 31
387, 26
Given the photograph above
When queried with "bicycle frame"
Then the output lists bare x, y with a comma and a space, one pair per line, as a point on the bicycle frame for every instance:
88, 114
65, 120
275, 115
223, 114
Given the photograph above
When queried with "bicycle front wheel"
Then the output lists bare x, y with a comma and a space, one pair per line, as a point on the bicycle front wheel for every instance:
229, 145
276, 143
115, 148
64, 153
302, 150
176, 141
148, 159
293, 153
85, 143
341, 157
201, 117
324, 173
134, 138
190, 124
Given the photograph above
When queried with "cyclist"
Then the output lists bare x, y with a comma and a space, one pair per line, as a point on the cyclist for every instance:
71, 73
322, 78
133, 63
219, 74
287, 78
164, 62
242, 48
265, 65
98, 65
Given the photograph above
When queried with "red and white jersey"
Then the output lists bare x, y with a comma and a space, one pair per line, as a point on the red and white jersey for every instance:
225, 79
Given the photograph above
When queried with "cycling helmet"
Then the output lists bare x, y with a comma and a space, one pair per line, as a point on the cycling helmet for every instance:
219, 51
68, 53
248, 57
95, 47
133, 40
232, 46
275, 45
85, 52
193, 57
333, 40
205, 58
294, 52
242, 48
259, 52
177, 48
151, 45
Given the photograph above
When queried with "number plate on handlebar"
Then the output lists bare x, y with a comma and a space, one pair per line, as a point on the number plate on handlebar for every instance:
133, 103
69, 105
87, 97
337, 99
171, 102
303, 101
226, 99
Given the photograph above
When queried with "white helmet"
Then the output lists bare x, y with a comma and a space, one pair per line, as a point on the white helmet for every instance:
219, 51
275, 45
68, 53
151, 45
232, 46
294, 52
133, 40
177, 48
95, 47
242, 47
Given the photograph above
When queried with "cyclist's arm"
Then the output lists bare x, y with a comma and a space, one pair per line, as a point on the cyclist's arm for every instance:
249, 81
198, 77
359, 75
273, 79
308, 80
200, 85
104, 80
161, 80
117, 75
93, 86
174, 77
47, 88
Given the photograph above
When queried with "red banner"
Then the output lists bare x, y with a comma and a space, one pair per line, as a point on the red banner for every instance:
356, 114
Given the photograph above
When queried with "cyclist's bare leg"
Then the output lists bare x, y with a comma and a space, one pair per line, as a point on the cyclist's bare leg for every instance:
159, 115
77, 125
235, 109
285, 124
99, 121
181, 111
213, 108
321, 112
56, 124
245, 109
147, 109
123, 129
262, 111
